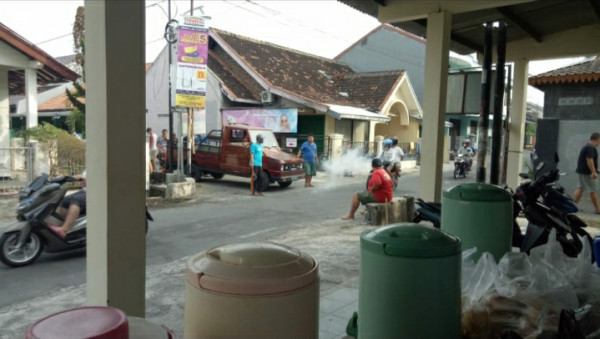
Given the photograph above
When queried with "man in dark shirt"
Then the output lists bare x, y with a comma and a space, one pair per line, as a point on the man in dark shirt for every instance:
587, 169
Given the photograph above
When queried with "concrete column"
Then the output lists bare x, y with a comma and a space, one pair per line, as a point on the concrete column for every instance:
31, 104
379, 144
336, 146
116, 248
434, 108
517, 123
4, 109
5, 160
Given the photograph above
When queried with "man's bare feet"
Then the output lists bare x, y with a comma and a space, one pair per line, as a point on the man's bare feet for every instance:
348, 217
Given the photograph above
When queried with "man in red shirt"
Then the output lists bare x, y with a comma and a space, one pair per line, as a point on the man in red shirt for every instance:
379, 189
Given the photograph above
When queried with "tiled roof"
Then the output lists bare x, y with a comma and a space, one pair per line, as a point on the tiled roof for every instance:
370, 89
291, 71
588, 71
53, 71
236, 81
59, 103
314, 78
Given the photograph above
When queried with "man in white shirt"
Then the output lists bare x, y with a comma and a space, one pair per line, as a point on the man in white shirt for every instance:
151, 139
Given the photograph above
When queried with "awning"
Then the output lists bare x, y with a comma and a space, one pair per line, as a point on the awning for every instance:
349, 112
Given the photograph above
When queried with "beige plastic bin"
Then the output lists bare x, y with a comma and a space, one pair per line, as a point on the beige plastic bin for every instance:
252, 290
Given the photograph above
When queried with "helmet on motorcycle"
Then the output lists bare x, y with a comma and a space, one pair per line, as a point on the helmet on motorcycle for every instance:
387, 142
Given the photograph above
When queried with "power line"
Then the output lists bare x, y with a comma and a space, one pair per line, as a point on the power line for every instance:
56, 38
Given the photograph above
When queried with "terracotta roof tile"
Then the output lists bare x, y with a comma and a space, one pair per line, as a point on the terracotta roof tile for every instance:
59, 103
236, 80
588, 71
295, 72
370, 89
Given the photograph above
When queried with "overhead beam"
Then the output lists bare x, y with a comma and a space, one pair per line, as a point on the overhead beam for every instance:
455, 38
405, 10
570, 43
595, 6
520, 23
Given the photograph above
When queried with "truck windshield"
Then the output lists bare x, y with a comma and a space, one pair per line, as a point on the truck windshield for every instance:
269, 137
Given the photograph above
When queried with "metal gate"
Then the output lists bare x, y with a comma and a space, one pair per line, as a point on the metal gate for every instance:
16, 169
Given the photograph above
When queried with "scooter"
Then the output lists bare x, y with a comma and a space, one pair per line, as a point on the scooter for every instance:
461, 166
546, 206
23, 242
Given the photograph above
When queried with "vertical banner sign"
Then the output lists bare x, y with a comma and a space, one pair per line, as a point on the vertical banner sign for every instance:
192, 55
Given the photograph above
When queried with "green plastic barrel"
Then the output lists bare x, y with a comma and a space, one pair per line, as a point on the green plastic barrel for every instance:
409, 283
481, 215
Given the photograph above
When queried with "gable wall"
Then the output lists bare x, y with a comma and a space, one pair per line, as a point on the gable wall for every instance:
385, 50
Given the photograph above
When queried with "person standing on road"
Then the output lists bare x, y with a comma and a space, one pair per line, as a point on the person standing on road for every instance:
587, 169
256, 155
380, 189
152, 139
162, 144
309, 155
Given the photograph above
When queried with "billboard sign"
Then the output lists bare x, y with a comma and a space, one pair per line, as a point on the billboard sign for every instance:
192, 55
280, 120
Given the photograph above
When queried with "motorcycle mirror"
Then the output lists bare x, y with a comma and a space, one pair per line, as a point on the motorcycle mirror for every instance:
524, 175
540, 166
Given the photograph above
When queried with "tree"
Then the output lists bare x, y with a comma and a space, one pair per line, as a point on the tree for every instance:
76, 120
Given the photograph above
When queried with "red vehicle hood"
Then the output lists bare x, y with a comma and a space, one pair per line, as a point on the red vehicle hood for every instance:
276, 153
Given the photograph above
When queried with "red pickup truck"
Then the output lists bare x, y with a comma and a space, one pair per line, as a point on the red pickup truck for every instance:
227, 151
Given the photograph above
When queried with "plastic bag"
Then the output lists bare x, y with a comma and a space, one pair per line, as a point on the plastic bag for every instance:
526, 294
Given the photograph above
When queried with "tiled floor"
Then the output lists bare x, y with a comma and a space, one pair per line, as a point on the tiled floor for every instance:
336, 309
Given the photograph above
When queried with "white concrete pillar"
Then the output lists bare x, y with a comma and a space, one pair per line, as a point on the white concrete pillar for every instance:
518, 113
115, 74
434, 108
31, 105
379, 144
336, 146
4, 109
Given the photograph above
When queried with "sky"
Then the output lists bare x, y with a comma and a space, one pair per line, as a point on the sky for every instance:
320, 27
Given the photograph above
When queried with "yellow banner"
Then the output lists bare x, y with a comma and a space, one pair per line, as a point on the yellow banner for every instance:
188, 100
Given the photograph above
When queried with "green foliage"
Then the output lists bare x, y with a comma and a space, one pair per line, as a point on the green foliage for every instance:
76, 121
530, 129
71, 154
65, 153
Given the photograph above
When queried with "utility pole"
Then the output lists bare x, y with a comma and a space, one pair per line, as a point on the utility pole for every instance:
484, 107
498, 103
190, 122
170, 160
507, 123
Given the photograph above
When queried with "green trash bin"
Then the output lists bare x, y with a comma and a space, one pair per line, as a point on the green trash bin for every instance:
409, 283
481, 215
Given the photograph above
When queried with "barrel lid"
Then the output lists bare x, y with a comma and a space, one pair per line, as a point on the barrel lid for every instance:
252, 268
410, 240
477, 192
84, 322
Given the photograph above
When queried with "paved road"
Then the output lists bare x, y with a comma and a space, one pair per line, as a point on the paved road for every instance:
222, 211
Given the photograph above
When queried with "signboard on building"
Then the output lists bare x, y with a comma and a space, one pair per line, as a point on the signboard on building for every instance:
291, 142
280, 120
192, 55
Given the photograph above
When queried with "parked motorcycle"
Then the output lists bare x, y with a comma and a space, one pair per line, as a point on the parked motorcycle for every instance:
461, 166
428, 211
545, 206
23, 242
